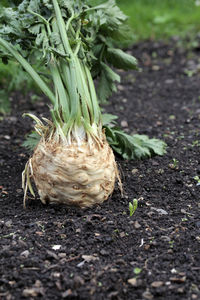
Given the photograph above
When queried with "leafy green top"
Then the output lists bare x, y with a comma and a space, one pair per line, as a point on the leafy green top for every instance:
93, 33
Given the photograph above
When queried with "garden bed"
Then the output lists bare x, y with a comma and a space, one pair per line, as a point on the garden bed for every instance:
55, 252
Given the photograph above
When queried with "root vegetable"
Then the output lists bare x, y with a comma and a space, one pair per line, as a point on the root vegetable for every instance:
87, 178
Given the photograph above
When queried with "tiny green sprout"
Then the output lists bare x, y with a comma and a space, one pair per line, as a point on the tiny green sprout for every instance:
99, 284
174, 164
171, 244
197, 179
137, 271
189, 73
172, 117
184, 219
196, 143
133, 206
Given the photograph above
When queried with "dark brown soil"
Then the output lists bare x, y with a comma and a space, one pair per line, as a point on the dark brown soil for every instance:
103, 253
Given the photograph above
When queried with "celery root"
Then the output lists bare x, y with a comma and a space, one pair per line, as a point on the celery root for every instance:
75, 175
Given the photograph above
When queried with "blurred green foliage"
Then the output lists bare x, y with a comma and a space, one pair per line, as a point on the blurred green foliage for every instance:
161, 19
149, 19
12, 76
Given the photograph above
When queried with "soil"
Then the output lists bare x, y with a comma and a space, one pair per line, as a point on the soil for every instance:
56, 252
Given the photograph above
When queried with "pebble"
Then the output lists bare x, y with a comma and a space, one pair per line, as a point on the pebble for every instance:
155, 68
78, 281
178, 279
157, 284
169, 81
134, 171
12, 119
67, 293
120, 87
22, 243
61, 255
8, 223
104, 252
160, 210
137, 225
132, 281
122, 234
25, 253
147, 295
124, 123
7, 137
89, 258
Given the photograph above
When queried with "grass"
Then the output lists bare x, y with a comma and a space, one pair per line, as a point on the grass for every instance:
161, 19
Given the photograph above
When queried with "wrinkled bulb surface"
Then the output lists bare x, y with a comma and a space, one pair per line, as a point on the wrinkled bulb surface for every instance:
80, 175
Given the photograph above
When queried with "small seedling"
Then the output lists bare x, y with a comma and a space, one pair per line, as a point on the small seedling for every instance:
137, 271
184, 219
133, 206
171, 244
197, 179
174, 164
196, 143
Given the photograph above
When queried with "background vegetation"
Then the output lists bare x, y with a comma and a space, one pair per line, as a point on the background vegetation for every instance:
161, 19
149, 19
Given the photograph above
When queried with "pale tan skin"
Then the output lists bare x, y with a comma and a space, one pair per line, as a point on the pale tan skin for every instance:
81, 175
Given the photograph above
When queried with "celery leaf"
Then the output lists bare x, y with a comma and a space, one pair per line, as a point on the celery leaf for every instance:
133, 146
31, 141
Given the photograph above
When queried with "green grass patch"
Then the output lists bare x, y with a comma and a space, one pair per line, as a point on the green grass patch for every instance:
161, 19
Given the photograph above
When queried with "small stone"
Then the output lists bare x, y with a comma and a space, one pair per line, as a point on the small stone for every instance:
173, 271
52, 254
22, 243
180, 290
157, 284
122, 234
137, 225
40, 233
61, 255
120, 87
165, 238
178, 279
132, 281
78, 281
56, 274
104, 252
124, 123
67, 293
134, 171
160, 210
32, 292
8, 223
147, 295
7, 137
56, 247
146, 247
38, 283
169, 81
155, 68
12, 119
25, 253
63, 236
89, 258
